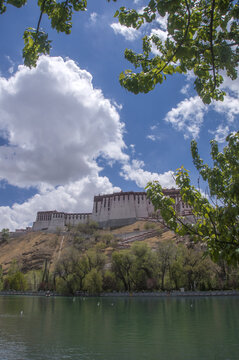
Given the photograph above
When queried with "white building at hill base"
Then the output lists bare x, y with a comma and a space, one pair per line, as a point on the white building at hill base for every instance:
109, 211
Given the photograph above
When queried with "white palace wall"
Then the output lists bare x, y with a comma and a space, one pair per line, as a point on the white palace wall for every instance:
53, 220
110, 210
121, 208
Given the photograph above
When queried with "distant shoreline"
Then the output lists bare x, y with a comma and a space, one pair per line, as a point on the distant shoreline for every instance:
162, 294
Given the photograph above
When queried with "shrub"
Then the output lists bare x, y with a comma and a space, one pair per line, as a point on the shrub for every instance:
149, 226
15, 281
93, 282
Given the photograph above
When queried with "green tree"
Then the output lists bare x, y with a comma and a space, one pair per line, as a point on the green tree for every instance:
67, 269
215, 220
96, 260
16, 282
1, 278
15, 279
202, 36
199, 272
109, 281
176, 270
143, 271
5, 234
166, 253
122, 267
93, 282
72, 269
34, 279
227, 276
87, 229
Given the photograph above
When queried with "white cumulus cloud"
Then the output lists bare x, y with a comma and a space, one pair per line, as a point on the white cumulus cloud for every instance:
74, 197
231, 85
128, 33
93, 17
153, 137
162, 21
187, 116
229, 107
220, 133
56, 124
135, 172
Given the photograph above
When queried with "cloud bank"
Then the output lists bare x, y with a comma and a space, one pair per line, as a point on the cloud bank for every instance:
73, 197
188, 115
135, 172
128, 33
56, 125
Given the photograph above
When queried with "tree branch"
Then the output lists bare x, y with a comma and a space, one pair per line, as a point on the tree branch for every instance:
182, 41
211, 43
40, 17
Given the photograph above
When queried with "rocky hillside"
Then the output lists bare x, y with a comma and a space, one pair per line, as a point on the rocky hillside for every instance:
32, 249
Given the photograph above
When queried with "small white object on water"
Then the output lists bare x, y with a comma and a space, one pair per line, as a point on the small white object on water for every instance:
21, 313
98, 304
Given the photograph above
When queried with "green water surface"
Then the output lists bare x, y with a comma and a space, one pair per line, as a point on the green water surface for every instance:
119, 328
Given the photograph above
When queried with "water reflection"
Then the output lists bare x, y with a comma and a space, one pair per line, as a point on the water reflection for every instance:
119, 328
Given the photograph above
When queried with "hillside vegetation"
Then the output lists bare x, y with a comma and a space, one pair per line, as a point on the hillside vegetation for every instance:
139, 257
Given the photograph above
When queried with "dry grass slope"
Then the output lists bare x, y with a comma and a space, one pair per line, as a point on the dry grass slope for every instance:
32, 249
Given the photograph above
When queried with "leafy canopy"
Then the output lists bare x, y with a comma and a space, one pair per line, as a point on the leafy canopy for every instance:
60, 14
35, 39
202, 37
215, 220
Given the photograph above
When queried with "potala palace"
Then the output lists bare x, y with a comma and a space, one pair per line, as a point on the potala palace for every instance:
109, 211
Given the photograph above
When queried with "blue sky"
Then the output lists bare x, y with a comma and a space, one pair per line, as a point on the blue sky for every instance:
69, 131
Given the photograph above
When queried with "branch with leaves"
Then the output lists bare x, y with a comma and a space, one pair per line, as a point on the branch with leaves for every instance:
60, 14
215, 225
202, 37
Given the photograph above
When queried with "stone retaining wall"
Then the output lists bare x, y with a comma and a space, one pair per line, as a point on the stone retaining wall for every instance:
128, 294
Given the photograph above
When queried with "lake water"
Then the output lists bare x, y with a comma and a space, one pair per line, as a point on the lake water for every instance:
33, 328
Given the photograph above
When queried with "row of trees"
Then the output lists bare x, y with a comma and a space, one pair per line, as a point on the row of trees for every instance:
168, 267
14, 280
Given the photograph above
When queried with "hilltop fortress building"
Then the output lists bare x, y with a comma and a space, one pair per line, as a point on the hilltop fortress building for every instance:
110, 210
